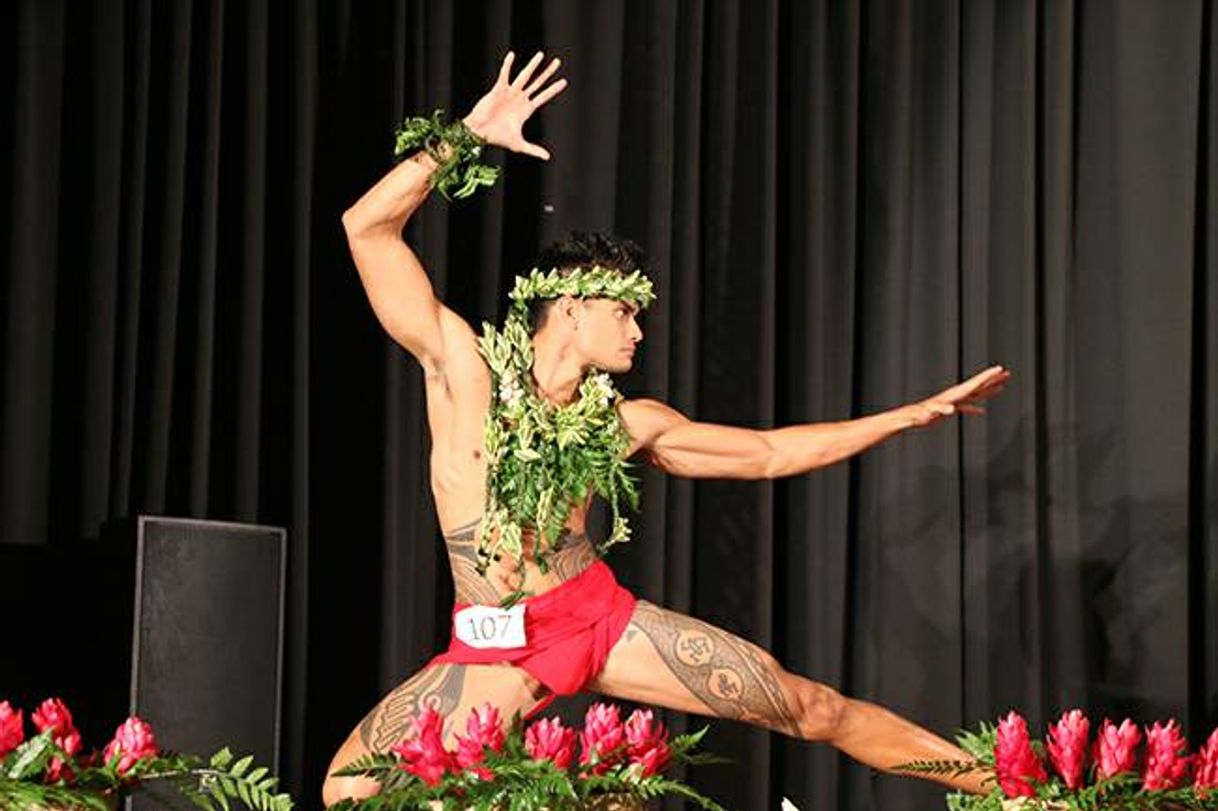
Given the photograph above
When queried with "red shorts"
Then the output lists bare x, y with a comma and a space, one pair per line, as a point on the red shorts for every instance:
569, 630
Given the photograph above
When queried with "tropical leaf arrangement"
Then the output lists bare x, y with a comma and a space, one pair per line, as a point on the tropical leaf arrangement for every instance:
49, 770
543, 459
455, 148
620, 764
1123, 768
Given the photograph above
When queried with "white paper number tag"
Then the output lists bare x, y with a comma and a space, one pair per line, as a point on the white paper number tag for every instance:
484, 626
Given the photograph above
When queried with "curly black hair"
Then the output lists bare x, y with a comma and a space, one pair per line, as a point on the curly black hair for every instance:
585, 249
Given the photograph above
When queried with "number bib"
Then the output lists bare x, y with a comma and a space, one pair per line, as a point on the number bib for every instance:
484, 626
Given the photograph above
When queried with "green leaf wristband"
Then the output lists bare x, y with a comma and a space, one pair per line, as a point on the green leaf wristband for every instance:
460, 172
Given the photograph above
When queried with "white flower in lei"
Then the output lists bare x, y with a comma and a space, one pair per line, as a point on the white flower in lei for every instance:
544, 459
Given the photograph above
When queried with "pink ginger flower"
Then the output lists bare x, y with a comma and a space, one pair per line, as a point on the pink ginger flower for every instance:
1115, 748
1015, 761
1205, 776
1067, 745
53, 715
647, 742
642, 730
57, 769
133, 742
483, 730
549, 740
653, 760
603, 737
423, 753
12, 728
1166, 763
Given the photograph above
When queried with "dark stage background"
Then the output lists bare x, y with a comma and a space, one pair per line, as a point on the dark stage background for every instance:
849, 205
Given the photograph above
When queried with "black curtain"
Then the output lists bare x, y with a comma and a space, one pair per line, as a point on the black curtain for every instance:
848, 205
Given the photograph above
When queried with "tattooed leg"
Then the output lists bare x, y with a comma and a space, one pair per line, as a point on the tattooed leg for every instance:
703, 669
675, 661
438, 688
451, 690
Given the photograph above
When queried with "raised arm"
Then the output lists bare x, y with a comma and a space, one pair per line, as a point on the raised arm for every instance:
398, 288
678, 445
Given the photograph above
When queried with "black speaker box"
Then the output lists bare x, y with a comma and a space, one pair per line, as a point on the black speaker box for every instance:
178, 621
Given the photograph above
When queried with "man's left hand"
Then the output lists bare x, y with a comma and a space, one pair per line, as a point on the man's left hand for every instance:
963, 398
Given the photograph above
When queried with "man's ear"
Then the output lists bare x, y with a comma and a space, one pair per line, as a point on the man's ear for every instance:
568, 310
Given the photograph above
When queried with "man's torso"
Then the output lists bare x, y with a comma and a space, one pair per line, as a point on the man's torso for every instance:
458, 398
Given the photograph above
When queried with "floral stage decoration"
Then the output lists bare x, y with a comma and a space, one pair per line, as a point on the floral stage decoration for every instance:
1122, 767
50, 769
609, 764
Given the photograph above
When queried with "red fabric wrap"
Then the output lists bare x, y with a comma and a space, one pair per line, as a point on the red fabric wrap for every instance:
569, 631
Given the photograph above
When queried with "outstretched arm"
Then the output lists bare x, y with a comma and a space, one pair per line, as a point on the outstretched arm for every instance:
397, 286
678, 445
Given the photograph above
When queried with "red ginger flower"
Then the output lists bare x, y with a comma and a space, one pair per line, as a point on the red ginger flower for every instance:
133, 742
483, 730
646, 742
1115, 748
423, 753
549, 740
1067, 745
53, 715
1206, 773
1015, 761
12, 729
1166, 763
602, 737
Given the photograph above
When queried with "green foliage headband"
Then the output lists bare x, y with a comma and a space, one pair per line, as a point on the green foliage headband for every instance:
594, 282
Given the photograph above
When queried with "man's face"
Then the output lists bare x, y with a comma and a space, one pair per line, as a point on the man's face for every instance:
608, 333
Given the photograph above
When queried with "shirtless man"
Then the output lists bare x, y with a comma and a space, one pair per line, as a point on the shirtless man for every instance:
631, 649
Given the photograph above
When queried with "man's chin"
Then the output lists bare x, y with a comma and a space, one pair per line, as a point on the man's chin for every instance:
619, 367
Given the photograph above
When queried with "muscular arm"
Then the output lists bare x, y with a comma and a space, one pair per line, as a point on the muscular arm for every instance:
398, 288
678, 445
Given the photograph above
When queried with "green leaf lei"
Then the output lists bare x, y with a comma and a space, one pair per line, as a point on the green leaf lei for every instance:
460, 171
543, 459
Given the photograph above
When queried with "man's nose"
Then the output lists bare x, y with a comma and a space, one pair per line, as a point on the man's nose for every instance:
636, 332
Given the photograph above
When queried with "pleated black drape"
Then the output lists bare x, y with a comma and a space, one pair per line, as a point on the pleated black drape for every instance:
848, 205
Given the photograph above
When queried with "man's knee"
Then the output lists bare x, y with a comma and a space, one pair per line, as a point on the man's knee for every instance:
347, 788
820, 710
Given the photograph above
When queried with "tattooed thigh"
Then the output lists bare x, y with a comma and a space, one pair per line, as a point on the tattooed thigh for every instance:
438, 688
735, 678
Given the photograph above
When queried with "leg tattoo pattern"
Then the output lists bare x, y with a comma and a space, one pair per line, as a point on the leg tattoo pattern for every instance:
438, 688
725, 672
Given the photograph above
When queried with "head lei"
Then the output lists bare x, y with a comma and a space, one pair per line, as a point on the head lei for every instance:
544, 459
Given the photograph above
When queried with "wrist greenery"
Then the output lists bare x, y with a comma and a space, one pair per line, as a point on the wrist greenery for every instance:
455, 147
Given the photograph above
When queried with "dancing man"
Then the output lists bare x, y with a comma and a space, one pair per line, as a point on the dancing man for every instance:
526, 427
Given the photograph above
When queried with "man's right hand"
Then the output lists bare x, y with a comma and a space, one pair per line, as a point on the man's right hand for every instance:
499, 116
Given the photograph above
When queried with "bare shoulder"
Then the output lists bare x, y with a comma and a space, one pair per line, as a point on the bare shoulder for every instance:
461, 369
645, 419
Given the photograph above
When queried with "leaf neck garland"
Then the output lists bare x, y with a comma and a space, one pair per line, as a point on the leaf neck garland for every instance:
544, 459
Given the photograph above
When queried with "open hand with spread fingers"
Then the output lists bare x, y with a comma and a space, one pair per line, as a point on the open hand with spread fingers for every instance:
499, 116
963, 398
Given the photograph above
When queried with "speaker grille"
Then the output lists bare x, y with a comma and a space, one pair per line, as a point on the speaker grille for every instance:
207, 658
